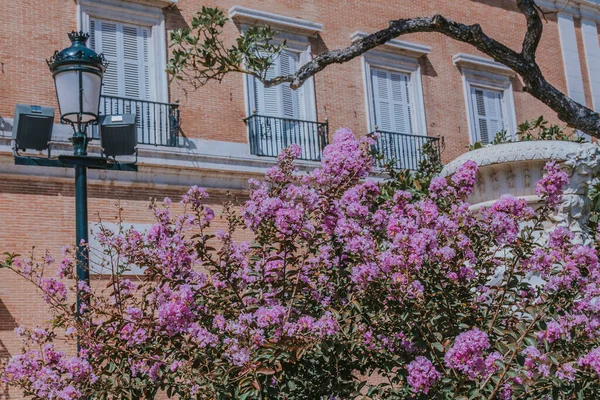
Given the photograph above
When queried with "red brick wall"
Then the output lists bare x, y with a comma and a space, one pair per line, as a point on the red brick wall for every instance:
32, 30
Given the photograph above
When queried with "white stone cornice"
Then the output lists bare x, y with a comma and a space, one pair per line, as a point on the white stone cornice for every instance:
481, 63
578, 8
251, 16
414, 50
157, 3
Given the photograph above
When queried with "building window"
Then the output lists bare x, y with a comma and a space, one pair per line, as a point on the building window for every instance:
279, 116
488, 97
487, 111
392, 101
127, 49
132, 37
394, 97
281, 101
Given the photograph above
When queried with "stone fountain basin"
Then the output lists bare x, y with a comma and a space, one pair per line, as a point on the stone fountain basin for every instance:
514, 168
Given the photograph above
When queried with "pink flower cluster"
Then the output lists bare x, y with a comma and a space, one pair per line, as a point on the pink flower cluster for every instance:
591, 360
48, 373
467, 354
550, 187
422, 374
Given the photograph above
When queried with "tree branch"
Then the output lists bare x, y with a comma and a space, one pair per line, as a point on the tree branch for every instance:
534, 28
523, 63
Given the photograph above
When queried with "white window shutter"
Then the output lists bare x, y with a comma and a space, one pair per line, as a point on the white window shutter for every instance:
126, 48
399, 84
92, 40
106, 42
145, 38
391, 101
381, 100
487, 112
268, 99
288, 63
278, 101
132, 76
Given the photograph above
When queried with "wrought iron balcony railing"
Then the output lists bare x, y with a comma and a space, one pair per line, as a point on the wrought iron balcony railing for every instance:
403, 149
157, 123
269, 135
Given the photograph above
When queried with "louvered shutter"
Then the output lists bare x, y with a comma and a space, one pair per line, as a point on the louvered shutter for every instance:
105, 41
278, 101
391, 101
288, 63
126, 48
267, 100
392, 113
488, 113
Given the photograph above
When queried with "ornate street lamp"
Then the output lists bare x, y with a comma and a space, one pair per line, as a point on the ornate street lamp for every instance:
77, 72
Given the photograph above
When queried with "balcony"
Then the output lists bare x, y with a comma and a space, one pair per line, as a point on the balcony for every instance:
403, 149
269, 135
157, 123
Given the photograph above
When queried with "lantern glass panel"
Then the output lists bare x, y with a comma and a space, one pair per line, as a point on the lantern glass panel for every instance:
68, 91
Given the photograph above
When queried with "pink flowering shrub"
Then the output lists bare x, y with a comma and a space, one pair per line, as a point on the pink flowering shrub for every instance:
347, 281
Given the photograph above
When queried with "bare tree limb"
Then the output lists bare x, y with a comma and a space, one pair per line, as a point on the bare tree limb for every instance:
534, 28
523, 63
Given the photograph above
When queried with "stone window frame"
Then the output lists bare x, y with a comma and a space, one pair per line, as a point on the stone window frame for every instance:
397, 56
296, 33
481, 72
148, 15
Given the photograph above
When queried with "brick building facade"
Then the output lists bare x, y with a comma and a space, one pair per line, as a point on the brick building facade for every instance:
419, 86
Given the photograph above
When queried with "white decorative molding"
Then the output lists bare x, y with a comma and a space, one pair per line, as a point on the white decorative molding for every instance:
156, 3
397, 63
99, 261
216, 164
251, 16
464, 60
578, 8
591, 45
414, 50
485, 73
533, 150
570, 55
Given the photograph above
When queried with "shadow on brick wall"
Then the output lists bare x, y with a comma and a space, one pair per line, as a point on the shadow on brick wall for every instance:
7, 323
5, 127
4, 355
507, 5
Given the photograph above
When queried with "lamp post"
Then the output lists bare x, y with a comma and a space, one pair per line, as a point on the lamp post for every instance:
77, 72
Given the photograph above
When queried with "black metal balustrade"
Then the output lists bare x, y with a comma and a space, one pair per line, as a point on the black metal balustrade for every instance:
157, 123
403, 149
269, 135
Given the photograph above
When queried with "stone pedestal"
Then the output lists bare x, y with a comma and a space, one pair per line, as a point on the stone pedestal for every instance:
514, 168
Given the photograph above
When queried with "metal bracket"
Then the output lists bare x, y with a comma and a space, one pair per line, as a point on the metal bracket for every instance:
70, 161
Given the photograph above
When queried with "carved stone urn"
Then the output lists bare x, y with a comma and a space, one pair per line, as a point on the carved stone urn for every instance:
514, 168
